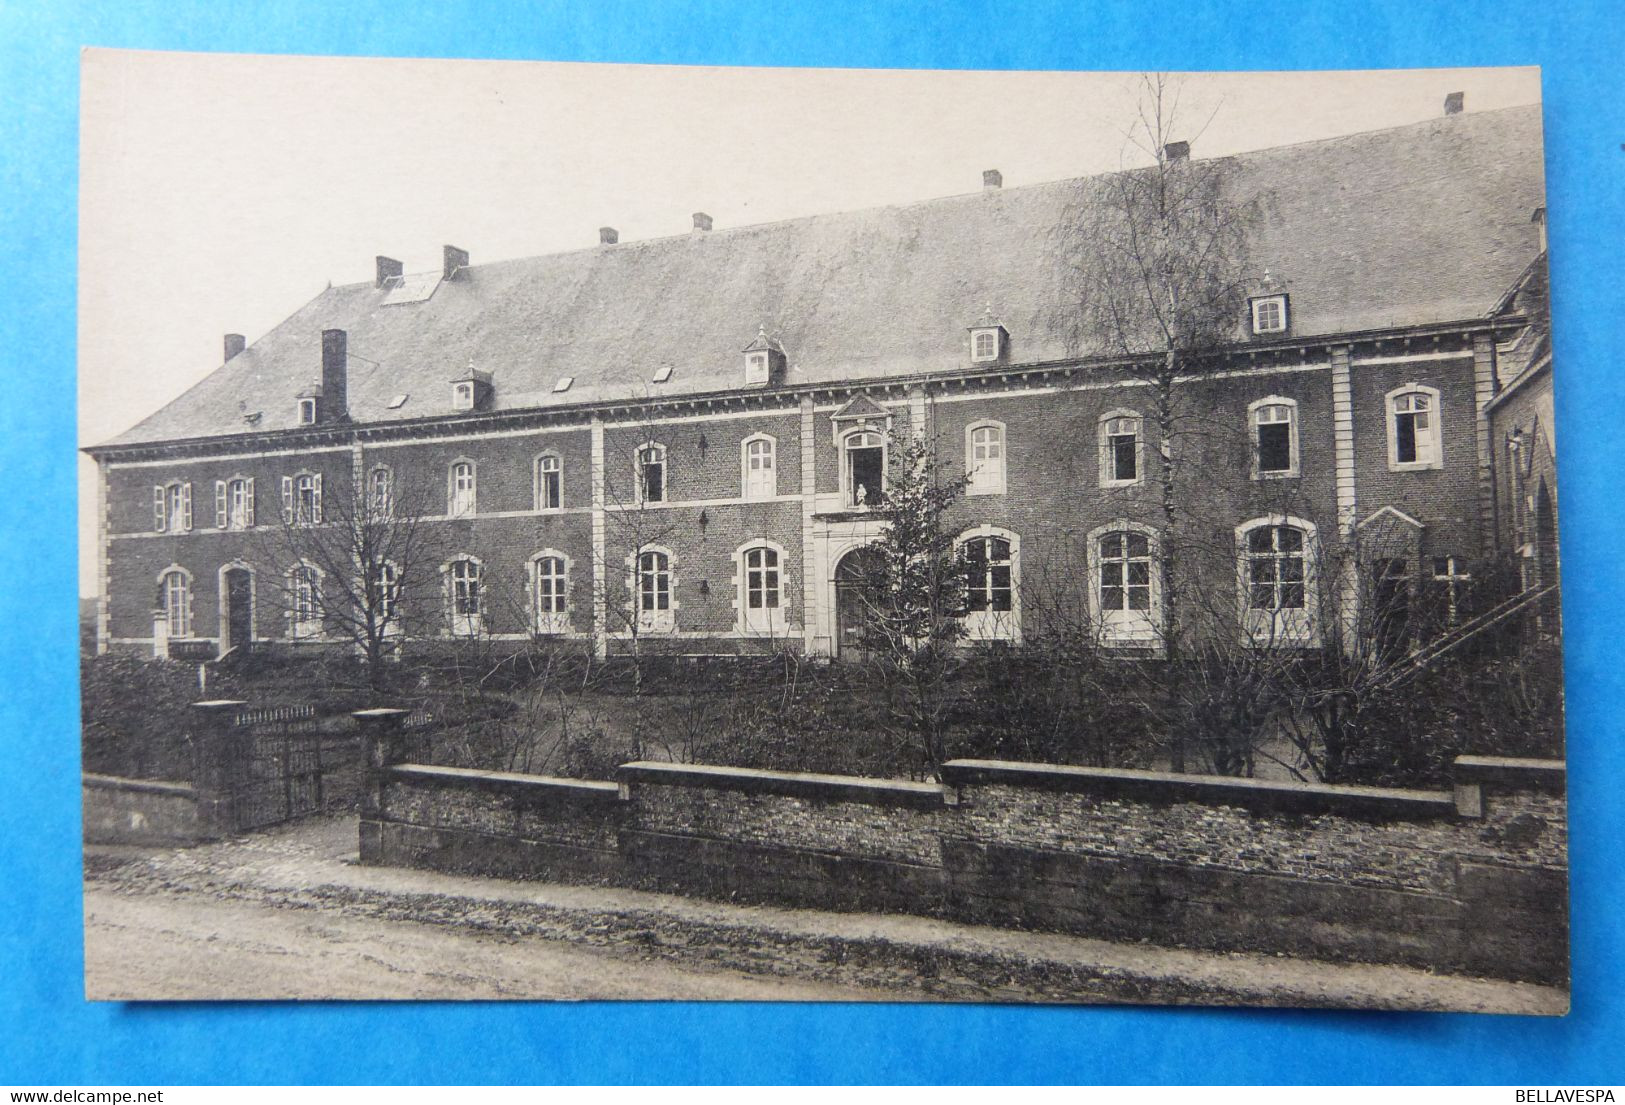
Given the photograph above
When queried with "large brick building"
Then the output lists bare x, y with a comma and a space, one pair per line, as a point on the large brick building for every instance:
688, 438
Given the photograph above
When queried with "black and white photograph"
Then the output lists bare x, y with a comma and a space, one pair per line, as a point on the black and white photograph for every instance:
577, 531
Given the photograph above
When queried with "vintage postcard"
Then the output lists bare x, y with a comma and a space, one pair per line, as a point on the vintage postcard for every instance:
570, 531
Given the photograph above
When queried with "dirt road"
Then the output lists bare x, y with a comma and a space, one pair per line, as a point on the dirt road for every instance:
289, 912
140, 945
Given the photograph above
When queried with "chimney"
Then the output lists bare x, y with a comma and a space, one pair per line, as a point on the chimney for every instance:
1176, 151
607, 236
702, 221
992, 179
389, 271
234, 345
1454, 102
456, 260
335, 365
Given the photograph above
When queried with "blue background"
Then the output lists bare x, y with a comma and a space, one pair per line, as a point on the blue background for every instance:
52, 1036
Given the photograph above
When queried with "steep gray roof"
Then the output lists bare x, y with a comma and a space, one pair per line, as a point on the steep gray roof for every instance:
1411, 225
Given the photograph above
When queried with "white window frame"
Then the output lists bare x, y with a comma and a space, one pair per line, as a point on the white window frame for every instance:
234, 503
1435, 434
654, 620
995, 625
1279, 628
462, 395
293, 492
307, 411
303, 628
1255, 413
758, 368
987, 475
176, 581
1121, 628
172, 507
462, 502
762, 620
658, 457
381, 477
762, 482
388, 582
976, 335
1258, 303
1108, 455
539, 475
463, 623
847, 490
549, 622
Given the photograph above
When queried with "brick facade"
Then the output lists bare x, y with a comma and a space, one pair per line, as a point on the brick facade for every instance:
1052, 495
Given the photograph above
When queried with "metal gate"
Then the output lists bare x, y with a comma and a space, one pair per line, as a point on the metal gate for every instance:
275, 766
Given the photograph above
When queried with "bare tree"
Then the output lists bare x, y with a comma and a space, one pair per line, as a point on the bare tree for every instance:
344, 559
1161, 255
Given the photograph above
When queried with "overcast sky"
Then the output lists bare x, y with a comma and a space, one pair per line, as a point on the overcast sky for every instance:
221, 192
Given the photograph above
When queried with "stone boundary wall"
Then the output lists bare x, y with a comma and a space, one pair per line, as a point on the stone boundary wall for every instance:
138, 811
1469, 880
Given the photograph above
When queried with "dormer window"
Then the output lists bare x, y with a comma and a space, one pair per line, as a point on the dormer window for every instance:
764, 360
1269, 314
470, 390
988, 340
307, 411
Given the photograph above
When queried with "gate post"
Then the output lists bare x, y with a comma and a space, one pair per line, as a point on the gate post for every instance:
213, 777
383, 743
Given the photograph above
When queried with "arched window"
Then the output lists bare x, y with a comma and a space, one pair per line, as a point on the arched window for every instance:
1122, 449
761, 587
984, 458
655, 608
1415, 438
464, 602
863, 468
1274, 426
175, 598
381, 492
550, 588
461, 497
302, 499
172, 507
1125, 593
651, 473
549, 482
758, 462
304, 601
992, 601
1277, 581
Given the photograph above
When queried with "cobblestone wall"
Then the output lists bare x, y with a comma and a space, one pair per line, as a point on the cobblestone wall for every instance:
1421, 877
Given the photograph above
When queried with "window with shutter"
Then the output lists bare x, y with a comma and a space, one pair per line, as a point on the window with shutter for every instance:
287, 500
220, 514
158, 518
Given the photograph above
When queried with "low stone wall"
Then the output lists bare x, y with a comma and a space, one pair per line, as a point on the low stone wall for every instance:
831, 841
1453, 880
492, 822
138, 811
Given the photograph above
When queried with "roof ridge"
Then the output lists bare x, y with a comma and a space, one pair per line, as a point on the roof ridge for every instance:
793, 220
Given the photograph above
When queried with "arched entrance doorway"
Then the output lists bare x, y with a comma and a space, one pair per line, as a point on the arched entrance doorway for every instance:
858, 595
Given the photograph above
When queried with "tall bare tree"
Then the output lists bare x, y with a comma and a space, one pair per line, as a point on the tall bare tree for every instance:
1162, 259
353, 561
